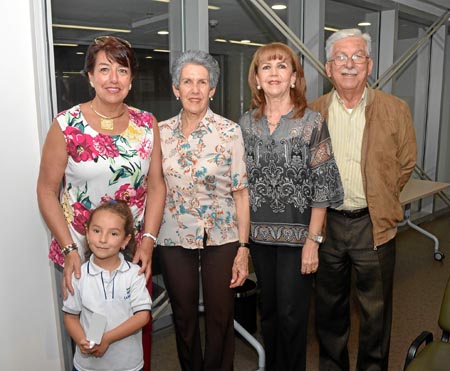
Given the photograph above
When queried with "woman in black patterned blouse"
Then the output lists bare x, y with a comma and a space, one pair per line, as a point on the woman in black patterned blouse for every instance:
293, 178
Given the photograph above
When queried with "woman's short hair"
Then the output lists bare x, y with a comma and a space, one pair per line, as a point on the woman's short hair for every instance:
342, 34
116, 50
277, 51
200, 58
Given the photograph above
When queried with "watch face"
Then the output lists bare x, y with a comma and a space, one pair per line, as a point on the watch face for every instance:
316, 237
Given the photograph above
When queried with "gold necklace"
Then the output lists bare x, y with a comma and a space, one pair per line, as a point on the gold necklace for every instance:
106, 123
275, 124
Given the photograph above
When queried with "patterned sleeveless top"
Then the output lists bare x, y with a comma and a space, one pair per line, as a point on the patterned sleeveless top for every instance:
100, 168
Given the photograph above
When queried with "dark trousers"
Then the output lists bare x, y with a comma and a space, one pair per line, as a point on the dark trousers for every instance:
284, 305
180, 270
349, 246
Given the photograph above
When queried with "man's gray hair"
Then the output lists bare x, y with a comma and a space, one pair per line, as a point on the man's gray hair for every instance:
342, 34
200, 58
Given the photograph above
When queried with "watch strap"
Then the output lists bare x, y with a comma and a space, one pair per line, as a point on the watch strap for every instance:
316, 237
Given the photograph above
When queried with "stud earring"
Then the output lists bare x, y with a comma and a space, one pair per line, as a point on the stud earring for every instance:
292, 86
211, 99
258, 87
177, 97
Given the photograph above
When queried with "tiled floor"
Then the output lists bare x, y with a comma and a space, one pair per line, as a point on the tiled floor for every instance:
419, 284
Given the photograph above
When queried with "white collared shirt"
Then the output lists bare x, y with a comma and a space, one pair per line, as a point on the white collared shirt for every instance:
117, 296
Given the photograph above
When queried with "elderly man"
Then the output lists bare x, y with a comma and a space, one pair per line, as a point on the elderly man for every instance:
375, 149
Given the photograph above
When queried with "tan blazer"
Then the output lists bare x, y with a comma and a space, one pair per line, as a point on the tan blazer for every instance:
388, 158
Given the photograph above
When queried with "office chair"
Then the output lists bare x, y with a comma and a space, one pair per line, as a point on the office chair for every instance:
435, 355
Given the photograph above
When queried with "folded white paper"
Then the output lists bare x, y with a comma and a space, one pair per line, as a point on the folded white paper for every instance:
96, 329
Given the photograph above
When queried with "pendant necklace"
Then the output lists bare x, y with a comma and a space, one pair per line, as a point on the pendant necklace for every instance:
275, 124
106, 123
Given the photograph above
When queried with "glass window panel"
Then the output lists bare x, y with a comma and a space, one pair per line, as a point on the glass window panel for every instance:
340, 15
411, 82
137, 21
229, 26
444, 147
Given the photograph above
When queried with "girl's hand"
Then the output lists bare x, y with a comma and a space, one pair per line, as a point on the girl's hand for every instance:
84, 346
99, 349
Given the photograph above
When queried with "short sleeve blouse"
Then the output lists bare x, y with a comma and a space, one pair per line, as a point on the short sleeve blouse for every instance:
201, 173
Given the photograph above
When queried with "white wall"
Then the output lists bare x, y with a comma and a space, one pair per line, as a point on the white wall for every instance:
28, 332
28, 325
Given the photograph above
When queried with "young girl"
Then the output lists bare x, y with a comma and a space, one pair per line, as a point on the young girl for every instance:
109, 285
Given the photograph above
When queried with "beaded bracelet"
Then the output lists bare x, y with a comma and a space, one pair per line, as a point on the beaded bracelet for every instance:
69, 248
151, 236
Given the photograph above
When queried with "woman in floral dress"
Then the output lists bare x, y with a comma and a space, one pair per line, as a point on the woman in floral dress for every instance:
97, 151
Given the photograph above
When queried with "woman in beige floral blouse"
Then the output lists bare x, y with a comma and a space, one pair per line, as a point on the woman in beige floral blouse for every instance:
206, 217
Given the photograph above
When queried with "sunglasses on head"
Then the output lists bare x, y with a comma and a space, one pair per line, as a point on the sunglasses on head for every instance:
103, 39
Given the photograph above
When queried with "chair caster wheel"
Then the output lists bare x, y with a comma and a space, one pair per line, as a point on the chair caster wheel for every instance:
439, 256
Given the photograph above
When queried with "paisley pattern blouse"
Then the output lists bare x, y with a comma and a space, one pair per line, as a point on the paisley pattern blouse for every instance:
100, 168
201, 173
290, 171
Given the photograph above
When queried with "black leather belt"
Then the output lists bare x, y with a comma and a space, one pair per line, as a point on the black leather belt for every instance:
352, 214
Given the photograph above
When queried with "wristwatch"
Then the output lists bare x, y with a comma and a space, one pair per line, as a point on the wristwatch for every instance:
315, 237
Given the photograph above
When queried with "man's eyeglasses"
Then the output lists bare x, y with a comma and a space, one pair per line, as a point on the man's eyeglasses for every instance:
103, 39
341, 60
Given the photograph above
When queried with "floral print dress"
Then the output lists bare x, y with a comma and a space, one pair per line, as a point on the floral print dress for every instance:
100, 168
